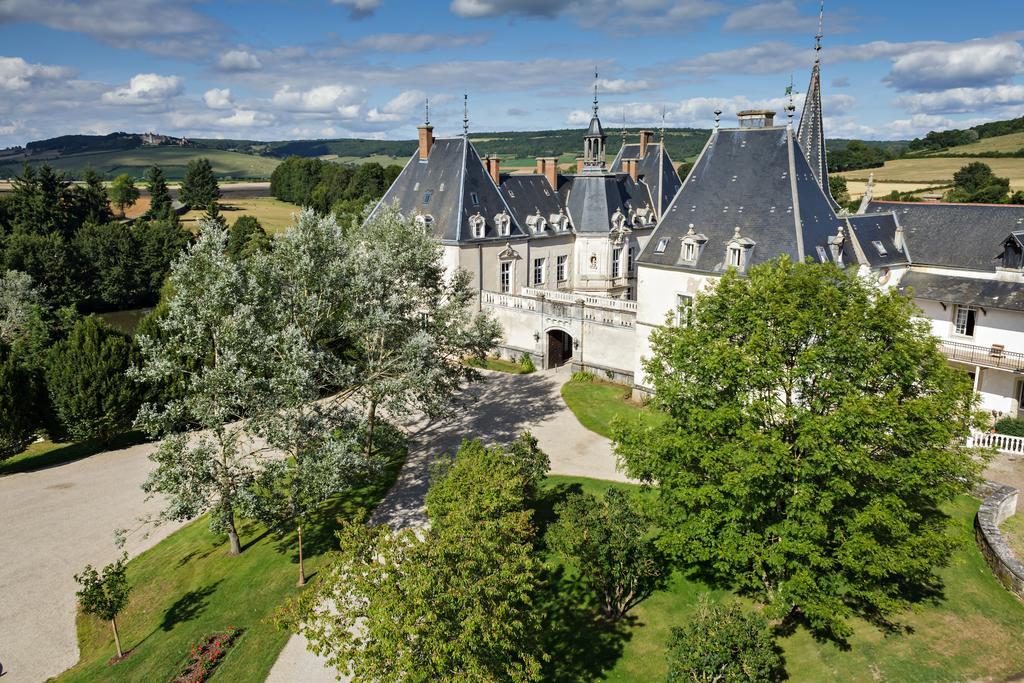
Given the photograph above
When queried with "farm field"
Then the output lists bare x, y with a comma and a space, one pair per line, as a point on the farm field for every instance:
936, 171
381, 159
136, 162
1000, 143
856, 188
273, 214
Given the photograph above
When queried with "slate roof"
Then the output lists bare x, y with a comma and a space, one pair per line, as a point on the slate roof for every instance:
811, 133
968, 236
444, 187
656, 169
525, 194
595, 130
877, 227
743, 178
963, 290
592, 199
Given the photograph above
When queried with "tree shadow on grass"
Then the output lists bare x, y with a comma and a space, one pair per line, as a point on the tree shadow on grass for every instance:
188, 606
581, 646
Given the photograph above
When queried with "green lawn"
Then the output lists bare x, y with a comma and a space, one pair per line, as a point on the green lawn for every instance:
187, 587
47, 453
502, 365
975, 633
1013, 529
595, 404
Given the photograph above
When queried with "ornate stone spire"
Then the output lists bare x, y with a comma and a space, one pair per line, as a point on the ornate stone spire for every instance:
811, 133
594, 140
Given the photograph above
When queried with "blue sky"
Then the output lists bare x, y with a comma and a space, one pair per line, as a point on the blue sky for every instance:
335, 68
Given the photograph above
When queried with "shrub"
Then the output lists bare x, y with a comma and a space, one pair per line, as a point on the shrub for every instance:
724, 643
1011, 426
526, 363
582, 376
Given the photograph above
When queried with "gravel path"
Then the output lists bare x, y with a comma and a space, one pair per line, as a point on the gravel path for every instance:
52, 523
502, 407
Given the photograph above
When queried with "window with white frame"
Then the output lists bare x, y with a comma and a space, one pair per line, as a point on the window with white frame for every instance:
561, 267
630, 260
689, 251
538, 270
506, 277
683, 304
736, 257
616, 261
963, 320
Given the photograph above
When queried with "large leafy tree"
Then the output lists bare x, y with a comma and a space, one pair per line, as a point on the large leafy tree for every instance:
123, 192
87, 377
224, 361
50, 263
976, 183
814, 434
199, 189
609, 541
454, 602
160, 206
408, 324
159, 243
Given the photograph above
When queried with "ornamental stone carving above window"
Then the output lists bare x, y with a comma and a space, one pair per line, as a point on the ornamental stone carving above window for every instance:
503, 223
536, 223
478, 225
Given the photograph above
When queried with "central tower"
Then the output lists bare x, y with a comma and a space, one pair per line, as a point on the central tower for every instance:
594, 141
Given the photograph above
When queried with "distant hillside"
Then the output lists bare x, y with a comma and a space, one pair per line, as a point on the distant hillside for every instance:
955, 139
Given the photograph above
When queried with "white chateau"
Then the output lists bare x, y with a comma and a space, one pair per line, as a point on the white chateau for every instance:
580, 268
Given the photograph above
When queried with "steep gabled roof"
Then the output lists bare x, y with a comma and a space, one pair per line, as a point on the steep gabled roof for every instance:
968, 236
870, 228
450, 185
755, 179
526, 194
656, 169
592, 199
811, 133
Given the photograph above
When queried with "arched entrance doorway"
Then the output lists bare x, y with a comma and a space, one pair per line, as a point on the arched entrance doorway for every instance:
559, 348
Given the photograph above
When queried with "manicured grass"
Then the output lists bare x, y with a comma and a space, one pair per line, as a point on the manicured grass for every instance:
187, 587
1013, 529
273, 214
974, 633
502, 365
596, 404
47, 453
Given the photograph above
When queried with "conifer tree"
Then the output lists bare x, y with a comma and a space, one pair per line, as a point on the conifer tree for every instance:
159, 196
199, 189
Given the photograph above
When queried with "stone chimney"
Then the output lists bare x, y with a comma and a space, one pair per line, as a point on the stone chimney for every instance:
494, 168
551, 171
645, 139
426, 140
756, 118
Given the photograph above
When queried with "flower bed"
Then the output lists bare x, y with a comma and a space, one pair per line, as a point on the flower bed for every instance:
206, 655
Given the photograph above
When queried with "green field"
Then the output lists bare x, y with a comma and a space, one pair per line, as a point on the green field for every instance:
136, 162
381, 159
973, 633
1000, 143
273, 214
938, 171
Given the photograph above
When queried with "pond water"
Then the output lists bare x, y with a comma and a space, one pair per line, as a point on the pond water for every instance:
126, 321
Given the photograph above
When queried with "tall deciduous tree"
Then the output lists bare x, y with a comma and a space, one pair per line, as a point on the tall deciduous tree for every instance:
199, 189
108, 257
454, 602
408, 322
87, 377
216, 349
105, 595
160, 207
609, 541
815, 431
123, 192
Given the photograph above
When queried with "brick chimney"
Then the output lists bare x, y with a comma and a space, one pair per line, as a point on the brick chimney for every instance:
645, 139
551, 171
494, 168
426, 140
540, 165
579, 165
632, 168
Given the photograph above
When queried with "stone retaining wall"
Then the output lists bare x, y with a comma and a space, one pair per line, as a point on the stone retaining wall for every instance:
998, 503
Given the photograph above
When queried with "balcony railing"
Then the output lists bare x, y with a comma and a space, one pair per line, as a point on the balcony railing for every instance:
1004, 443
554, 305
994, 356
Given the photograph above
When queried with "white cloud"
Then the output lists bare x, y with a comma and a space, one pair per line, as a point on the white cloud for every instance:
399, 108
321, 99
622, 85
246, 118
613, 15
239, 60
949, 65
962, 100
17, 74
218, 98
771, 16
145, 89
417, 42
359, 9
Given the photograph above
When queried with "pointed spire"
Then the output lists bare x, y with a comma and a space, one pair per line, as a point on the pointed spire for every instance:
661, 130
465, 115
811, 133
426, 115
821, 32
595, 91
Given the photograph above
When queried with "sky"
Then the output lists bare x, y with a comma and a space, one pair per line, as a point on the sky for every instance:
271, 70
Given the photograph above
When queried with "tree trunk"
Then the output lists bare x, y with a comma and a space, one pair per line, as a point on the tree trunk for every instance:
236, 547
371, 419
302, 571
117, 638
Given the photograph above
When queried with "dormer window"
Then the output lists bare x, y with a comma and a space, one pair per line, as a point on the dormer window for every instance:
424, 221
692, 243
536, 223
478, 225
559, 221
1013, 251
689, 251
503, 223
738, 251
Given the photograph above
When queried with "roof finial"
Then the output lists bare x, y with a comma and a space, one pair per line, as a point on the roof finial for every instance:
426, 116
718, 116
623, 125
662, 130
595, 91
465, 115
790, 106
821, 32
